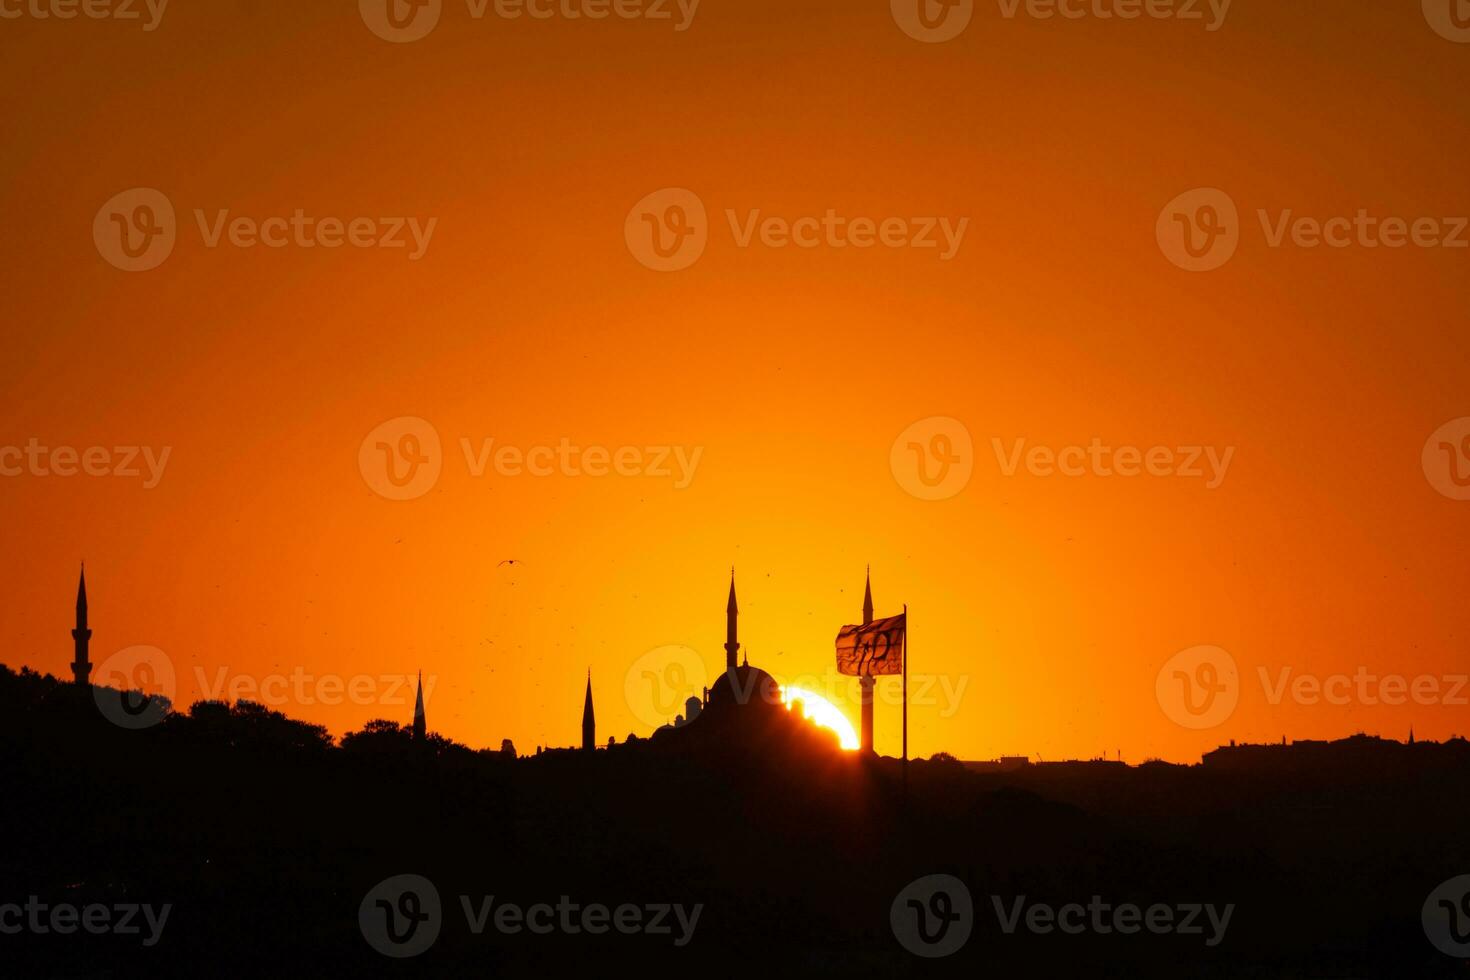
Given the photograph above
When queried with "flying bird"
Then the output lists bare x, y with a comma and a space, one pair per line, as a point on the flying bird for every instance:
509, 561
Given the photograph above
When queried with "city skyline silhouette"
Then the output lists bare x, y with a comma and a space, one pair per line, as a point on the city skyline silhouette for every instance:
733, 487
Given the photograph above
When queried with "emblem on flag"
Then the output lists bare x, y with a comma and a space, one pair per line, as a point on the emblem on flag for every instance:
875, 649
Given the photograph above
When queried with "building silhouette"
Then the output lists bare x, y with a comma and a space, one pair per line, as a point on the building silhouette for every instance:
589, 719
867, 682
420, 727
81, 666
732, 615
868, 597
742, 717
741, 685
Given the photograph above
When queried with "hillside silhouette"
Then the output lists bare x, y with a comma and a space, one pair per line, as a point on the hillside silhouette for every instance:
264, 833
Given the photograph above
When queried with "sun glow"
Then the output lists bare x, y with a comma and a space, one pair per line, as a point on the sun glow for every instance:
824, 714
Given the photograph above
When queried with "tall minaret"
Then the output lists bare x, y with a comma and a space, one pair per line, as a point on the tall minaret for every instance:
866, 682
589, 720
868, 599
732, 644
81, 666
419, 725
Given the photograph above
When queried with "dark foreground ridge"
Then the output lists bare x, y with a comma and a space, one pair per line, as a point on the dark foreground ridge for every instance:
267, 840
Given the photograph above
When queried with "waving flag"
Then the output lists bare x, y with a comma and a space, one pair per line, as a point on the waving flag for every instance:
875, 649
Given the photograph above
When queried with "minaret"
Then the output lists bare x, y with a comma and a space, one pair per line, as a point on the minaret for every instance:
867, 681
732, 645
868, 599
81, 666
589, 720
419, 725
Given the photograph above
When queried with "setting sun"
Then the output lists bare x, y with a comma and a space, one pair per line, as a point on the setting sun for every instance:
823, 713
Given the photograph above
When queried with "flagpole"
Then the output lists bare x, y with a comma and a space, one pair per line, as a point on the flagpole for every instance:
905, 699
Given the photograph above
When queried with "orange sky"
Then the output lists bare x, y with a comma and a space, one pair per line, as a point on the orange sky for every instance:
1050, 602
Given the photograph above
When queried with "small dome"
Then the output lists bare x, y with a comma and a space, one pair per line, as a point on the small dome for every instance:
748, 686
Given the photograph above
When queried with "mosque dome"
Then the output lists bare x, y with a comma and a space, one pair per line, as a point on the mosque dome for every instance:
745, 685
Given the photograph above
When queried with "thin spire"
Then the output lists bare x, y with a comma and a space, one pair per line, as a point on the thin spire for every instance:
419, 721
82, 598
81, 667
589, 719
868, 597
732, 629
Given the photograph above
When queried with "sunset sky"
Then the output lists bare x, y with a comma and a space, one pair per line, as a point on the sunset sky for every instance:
785, 375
